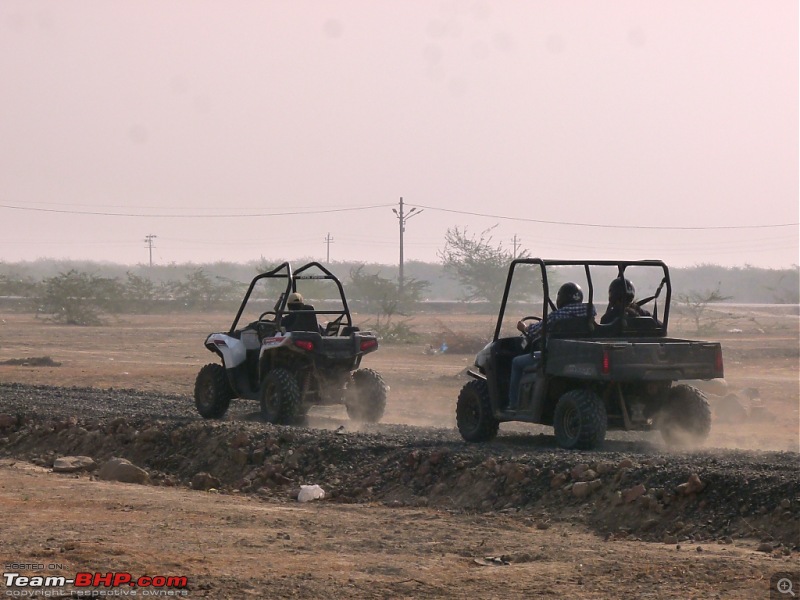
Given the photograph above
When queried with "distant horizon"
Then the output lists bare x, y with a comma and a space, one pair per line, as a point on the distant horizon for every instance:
303, 260
742, 284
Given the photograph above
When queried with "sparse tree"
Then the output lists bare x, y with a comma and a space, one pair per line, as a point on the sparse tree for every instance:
696, 304
381, 295
140, 293
200, 290
19, 291
78, 298
785, 291
479, 266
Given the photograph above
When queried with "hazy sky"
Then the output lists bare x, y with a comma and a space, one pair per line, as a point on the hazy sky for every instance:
587, 129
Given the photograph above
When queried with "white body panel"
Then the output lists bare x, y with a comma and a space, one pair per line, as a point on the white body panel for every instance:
233, 351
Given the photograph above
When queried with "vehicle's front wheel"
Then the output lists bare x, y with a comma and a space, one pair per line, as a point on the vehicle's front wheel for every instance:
580, 420
212, 392
474, 417
365, 396
686, 417
280, 397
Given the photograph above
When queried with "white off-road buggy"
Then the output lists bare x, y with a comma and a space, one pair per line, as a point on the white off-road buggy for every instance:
287, 359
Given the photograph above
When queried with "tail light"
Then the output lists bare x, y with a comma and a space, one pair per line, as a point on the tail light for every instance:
307, 345
718, 360
368, 345
606, 368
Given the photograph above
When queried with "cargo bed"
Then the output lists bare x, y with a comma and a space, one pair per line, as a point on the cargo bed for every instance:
648, 359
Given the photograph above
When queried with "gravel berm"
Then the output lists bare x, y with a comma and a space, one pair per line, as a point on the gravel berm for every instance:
629, 489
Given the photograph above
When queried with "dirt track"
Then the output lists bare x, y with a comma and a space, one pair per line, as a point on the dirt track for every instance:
235, 547
396, 496
411, 511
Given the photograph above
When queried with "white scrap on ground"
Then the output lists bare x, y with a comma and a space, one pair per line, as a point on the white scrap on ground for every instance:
310, 492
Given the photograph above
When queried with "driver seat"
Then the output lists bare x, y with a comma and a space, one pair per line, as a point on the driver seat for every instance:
304, 319
574, 327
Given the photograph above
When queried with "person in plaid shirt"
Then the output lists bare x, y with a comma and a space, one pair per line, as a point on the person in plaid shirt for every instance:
569, 311
568, 306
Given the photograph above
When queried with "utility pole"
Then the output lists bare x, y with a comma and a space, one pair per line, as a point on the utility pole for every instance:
516, 243
402, 217
328, 241
148, 239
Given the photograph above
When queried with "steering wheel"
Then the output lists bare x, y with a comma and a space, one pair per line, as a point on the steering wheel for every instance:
265, 313
525, 333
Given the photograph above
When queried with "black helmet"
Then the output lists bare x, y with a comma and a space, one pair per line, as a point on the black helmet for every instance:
569, 293
621, 289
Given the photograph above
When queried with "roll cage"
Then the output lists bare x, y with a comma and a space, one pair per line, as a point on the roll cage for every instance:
305, 272
591, 326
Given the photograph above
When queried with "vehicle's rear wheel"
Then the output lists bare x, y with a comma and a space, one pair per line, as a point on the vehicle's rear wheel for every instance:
365, 396
474, 417
212, 392
280, 397
300, 417
686, 417
580, 420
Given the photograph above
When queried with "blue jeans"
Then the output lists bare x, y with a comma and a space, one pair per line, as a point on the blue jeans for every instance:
518, 365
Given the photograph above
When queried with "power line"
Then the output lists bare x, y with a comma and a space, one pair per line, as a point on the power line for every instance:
597, 225
369, 207
194, 216
127, 205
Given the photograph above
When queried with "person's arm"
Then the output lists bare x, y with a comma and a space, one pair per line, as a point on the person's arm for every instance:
533, 329
529, 330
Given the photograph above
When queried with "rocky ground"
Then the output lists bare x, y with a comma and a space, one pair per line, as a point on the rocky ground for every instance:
410, 509
630, 489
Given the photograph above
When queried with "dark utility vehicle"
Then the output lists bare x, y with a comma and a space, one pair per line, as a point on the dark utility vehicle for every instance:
586, 376
286, 359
